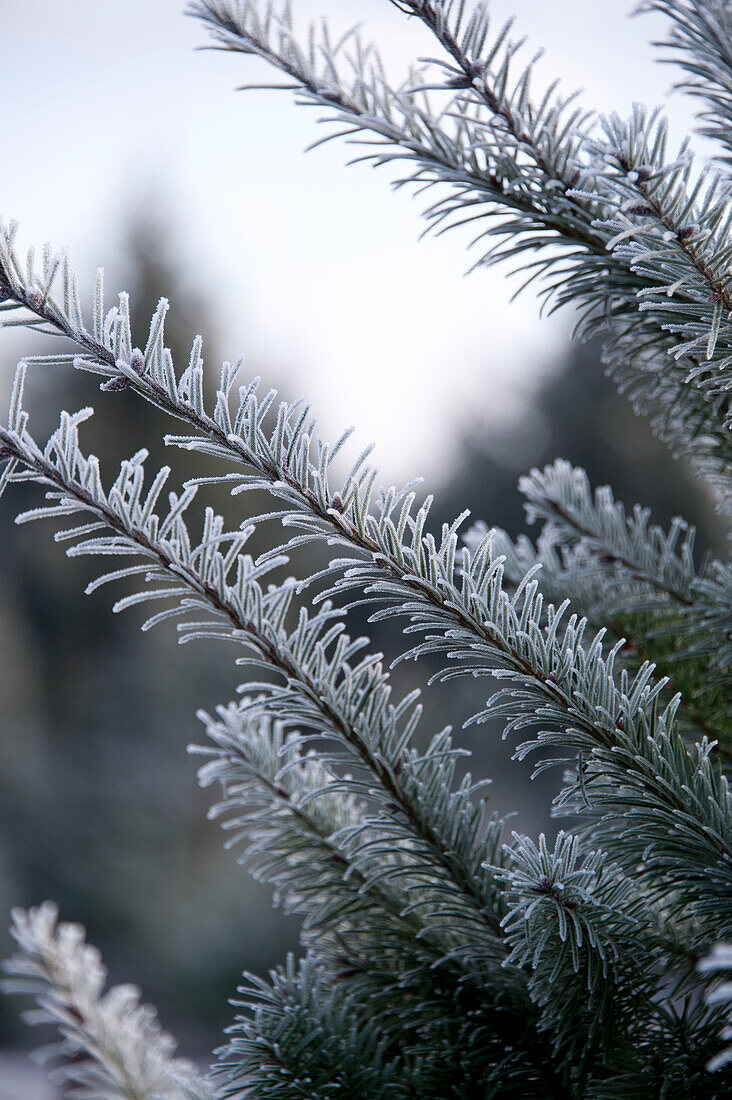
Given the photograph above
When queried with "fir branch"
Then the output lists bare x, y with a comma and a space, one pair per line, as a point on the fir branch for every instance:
289, 811
306, 835
373, 855
111, 1045
535, 156
294, 1013
321, 688
491, 155
579, 924
560, 495
483, 71
632, 576
672, 1058
674, 231
599, 973
700, 41
457, 599
407, 897
431, 812
304, 1035
627, 609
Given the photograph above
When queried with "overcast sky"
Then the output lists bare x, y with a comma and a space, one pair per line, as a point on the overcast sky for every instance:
312, 265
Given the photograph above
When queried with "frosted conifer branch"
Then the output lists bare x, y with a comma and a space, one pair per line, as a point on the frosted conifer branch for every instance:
305, 1035
632, 614
455, 597
325, 855
510, 164
441, 875
579, 923
414, 868
112, 1047
429, 844
408, 898
561, 496
635, 578
324, 688
305, 835
585, 930
303, 1028
672, 227
456, 146
700, 41
481, 65
546, 159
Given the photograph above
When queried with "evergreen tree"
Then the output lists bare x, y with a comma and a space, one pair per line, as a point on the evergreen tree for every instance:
443, 955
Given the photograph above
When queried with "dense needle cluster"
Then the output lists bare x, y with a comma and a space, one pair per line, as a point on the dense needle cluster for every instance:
443, 956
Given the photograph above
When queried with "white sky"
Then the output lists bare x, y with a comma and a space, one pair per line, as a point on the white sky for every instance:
311, 265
